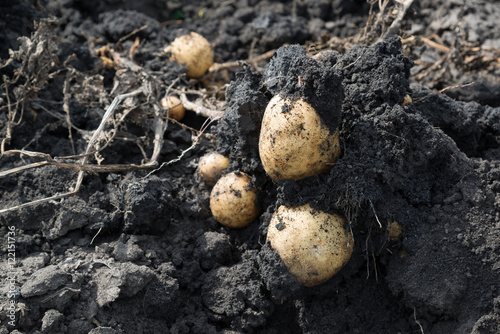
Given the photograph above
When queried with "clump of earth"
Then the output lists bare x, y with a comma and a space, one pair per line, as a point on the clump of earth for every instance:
418, 179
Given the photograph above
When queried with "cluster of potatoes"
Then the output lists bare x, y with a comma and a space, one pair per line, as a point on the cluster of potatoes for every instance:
294, 143
233, 200
194, 52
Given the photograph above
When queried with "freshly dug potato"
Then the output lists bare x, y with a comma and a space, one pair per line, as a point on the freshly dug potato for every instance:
233, 201
211, 166
174, 106
294, 142
195, 52
395, 231
312, 244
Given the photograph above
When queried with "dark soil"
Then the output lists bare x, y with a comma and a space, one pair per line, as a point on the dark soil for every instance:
139, 252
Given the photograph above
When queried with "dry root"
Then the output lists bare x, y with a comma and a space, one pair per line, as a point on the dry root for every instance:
87, 90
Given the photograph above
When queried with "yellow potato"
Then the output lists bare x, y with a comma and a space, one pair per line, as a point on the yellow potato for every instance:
195, 52
395, 231
294, 142
176, 109
211, 166
312, 244
233, 201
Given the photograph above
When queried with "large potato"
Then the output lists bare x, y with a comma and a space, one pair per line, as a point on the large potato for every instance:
233, 201
294, 142
312, 244
195, 52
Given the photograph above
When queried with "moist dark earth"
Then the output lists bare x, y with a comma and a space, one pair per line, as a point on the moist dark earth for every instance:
417, 104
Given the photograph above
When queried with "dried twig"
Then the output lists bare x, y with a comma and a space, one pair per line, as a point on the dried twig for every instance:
442, 91
416, 320
37, 57
93, 144
428, 41
403, 7
120, 41
375, 213
369, 20
199, 108
195, 142
66, 109
99, 138
10, 120
234, 64
374, 22
435, 45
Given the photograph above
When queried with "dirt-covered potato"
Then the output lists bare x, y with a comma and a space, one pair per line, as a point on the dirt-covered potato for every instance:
195, 52
174, 106
294, 142
211, 166
312, 244
395, 231
233, 201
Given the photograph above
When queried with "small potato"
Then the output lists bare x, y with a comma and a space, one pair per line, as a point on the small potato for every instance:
195, 52
211, 166
233, 201
174, 106
294, 142
312, 244
395, 231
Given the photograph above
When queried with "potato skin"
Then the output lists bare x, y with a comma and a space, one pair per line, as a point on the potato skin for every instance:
294, 142
173, 103
312, 244
233, 201
211, 165
195, 52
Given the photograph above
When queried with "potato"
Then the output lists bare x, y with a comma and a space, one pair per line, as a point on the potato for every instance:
294, 142
312, 244
395, 231
211, 166
195, 52
233, 201
174, 106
